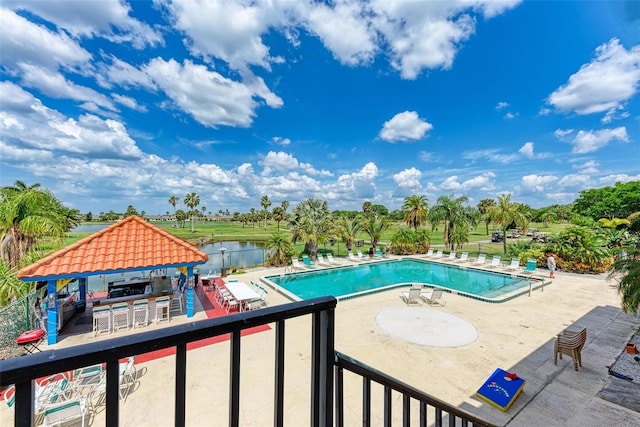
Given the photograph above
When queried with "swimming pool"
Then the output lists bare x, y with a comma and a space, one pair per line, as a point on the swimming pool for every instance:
359, 279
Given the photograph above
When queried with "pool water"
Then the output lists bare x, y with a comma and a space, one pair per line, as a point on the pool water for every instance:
358, 279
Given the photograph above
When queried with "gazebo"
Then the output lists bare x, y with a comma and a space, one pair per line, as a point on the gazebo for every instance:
131, 244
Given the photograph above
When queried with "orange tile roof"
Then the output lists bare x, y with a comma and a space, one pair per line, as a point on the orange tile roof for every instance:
129, 244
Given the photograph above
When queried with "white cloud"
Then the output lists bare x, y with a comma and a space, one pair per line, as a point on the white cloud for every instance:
492, 155
610, 180
481, 181
527, 150
539, 183
603, 84
128, 102
502, 105
123, 74
212, 99
561, 133
105, 18
405, 126
590, 141
282, 161
408, 178
590, 167
357, 185
509, 116
575, 182
281, 141
26, 42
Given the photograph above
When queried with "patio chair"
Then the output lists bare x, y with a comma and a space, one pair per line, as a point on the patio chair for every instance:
360, 255
429, 253
452, 256
433, 297
162, 307
482, 260
352, 257
295, 263
412, 297
321, 260
496, 262
331, 260
306, 261
177, 301
514, 266
378, 253
464, 257
140, 312
570, 342
101, 319
120, 316
66, 412
531, 266
128, 377
439, 254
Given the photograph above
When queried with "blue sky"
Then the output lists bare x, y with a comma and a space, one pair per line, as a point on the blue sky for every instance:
110, 104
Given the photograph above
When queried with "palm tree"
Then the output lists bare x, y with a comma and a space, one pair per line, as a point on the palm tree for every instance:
374, 227
311, 223
192, 200
285, 205
278, 215
505, 213
280, 246
173, 201
367, 207
28, 214
348, 230
415, 211
265, 203
627, 272
483, 207
404, 241
451, 211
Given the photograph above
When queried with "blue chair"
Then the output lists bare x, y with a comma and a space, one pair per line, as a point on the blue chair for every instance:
531, 266
307, 261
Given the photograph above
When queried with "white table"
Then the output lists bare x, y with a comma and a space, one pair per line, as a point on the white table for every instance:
241, 292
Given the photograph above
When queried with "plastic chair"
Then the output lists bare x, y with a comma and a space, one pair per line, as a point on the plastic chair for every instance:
101, 320
163, 306
570, 343
120, 316
140, 313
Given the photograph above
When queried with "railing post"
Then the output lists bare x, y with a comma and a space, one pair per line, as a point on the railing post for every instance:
322, 360
234, 383
112, 408
181, 385
25, 393
278, 416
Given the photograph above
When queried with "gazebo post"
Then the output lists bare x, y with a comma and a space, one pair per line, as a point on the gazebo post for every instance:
52, 312
190, 291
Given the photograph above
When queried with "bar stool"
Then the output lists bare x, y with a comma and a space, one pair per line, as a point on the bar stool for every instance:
101, 319
163, 306
120, 316
141, 313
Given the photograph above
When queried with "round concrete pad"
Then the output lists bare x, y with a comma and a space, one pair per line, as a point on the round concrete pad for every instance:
426, 326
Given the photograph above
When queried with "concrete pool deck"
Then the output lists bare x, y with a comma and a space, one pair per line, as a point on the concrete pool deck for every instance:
516, 335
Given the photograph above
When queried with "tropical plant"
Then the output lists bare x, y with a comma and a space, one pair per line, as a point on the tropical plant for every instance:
265, 203
483, 207
348, 230
311, 224
367, 207
285, 205
505, 213
403, 241
627, 272
620, 201
280, 249
450, 210
192, 200
415, 211
27, 215
374, 227
173, 201
278, 215
423, 240
459, 233
580, 249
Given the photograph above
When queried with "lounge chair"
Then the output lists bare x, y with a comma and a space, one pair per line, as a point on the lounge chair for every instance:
570, 343
514, 266
412, 297
296, 264
452, 256
464, 257
439, 254
352, 257
321, 260
482, 260
496, 262
306, 261
361, 255
531, 266
429, 253
66, 412
433, 297
379, 253
331, 260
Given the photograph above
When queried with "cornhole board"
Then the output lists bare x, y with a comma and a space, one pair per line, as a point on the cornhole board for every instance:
499, 390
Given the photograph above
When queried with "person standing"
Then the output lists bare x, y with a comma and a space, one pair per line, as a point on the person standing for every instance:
388, 249
551, 265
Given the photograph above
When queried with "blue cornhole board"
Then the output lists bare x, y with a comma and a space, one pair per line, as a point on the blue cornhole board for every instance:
500, 390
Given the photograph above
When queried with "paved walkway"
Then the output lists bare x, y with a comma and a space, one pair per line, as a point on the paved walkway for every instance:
516, 335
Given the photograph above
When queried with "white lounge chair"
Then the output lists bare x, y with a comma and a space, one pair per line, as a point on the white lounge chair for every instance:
331, 260
353, 258
482, 260
321, 260
361, 255
496, 262
464, 257
514, 266
452, 256
296, 264
433, 297
66, 412
429, 253
439, 254
413, 296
